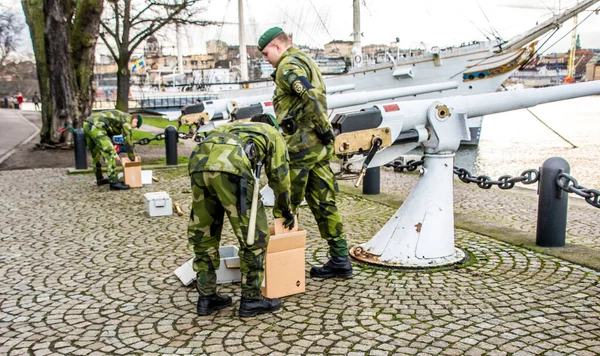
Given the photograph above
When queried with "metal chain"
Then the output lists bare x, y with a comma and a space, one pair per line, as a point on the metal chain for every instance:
529, 176
161, 136
146, 140
570, 185
184, 135
409, 166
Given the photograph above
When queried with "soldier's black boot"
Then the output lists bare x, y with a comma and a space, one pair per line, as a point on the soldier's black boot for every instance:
252, 307
118, 186
336, 267
211, 303
101, 180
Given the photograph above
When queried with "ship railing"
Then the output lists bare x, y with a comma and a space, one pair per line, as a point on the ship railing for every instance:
156, 102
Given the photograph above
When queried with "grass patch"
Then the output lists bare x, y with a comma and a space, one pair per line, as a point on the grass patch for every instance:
163, 161
163, 123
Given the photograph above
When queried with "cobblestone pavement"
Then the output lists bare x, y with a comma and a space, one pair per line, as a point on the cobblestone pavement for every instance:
84, 271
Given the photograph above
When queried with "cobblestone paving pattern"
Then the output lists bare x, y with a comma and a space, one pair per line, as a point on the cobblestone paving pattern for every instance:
84, 271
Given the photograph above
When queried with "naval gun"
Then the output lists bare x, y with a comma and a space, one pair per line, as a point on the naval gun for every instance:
244, 107
421, 233
221, 109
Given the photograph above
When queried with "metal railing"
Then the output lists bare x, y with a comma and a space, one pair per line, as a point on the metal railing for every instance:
162, 102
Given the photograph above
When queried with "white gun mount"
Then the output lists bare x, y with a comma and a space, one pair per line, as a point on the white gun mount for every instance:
421, 232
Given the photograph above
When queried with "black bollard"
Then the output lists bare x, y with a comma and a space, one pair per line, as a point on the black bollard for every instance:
552, 205
80, 154
371, 182
171, 139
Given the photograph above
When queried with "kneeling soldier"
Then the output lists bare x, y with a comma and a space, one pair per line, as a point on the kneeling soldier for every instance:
99, 129
222, 170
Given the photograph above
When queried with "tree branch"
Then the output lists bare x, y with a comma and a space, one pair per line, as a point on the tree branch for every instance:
112, 53
140, 13
110, 32
137, 39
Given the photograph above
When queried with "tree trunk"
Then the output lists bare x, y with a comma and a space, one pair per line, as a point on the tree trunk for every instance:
123, 83
34, 15
57, 36
83, 43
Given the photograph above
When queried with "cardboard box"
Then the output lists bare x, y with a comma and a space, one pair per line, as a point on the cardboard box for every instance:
284, 262
158, 204
132, 171
228, 272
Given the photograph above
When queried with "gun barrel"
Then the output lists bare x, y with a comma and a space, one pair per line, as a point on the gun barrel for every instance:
493, 103
358, 98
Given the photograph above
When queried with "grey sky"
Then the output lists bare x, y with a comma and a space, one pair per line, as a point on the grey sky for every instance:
432, 22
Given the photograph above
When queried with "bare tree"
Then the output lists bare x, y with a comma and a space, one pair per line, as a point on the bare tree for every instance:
64, 35
10, 28
126, 24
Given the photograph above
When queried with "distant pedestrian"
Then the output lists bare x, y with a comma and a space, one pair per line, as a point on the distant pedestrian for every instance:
36, 101
19, 101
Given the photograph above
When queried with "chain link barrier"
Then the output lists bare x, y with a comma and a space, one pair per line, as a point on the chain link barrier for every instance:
570, 185
410, 166
161, 136
530, 176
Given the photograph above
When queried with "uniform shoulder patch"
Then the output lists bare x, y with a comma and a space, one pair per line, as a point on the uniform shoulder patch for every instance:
298, 87
301, 84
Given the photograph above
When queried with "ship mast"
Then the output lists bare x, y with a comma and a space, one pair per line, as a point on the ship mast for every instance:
243, 56
571, 65
546, 26
357, 59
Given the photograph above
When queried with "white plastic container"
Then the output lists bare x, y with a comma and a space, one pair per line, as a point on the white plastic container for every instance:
158, 204
147, 177
228, 272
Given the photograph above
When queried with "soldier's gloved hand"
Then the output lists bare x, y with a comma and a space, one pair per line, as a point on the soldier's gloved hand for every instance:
326, 137
290, 219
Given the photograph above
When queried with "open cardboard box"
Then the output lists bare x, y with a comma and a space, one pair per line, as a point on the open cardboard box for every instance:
284, 261
132, 171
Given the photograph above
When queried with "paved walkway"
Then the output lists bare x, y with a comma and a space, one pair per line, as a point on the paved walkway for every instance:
16, 130
84, 271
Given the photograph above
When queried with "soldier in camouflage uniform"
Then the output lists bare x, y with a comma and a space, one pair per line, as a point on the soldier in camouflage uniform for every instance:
222, 175
99, 129
301, 109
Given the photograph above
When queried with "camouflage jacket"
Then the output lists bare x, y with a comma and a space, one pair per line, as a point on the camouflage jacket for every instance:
115, 122
223, 151
294, 98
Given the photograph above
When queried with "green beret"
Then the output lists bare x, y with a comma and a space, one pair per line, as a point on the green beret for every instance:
268, 36
265, 119
139, 122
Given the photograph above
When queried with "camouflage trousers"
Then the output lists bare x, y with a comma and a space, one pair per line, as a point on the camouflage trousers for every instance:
314, 181
100, 145
215, 194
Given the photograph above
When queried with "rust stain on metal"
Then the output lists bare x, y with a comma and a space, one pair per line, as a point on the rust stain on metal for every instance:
418, 226
360, 254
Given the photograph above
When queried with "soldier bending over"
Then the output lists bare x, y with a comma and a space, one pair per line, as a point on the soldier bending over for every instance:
222, 170
99, 129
